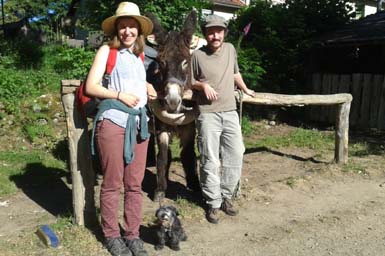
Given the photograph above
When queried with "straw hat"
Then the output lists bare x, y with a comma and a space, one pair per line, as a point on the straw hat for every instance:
127, 9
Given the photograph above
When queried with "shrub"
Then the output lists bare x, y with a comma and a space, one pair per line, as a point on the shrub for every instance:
17, 86
249, 62
74, 63
21, 53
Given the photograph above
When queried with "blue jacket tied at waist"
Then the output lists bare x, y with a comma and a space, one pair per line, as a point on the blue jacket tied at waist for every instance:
130, 135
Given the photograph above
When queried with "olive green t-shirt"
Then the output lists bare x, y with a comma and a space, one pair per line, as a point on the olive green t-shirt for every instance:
217, 69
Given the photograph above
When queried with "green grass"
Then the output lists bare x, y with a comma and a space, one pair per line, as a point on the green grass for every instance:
188, 209
302, 138
247, 126
354, 168
361, 149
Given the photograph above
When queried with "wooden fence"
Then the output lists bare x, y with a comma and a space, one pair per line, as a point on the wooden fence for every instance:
79, 145
368, 105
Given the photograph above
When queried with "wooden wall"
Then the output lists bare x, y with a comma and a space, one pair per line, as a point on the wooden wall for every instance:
368, 105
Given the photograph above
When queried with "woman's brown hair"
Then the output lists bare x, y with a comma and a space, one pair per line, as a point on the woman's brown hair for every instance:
139, 42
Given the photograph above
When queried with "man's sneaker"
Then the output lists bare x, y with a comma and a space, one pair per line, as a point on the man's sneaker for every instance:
212, 215
136, 247
117, 247
228, 208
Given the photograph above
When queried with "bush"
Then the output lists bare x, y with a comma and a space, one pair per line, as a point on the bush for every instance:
73, 63
249, 62
17, 86
21, 53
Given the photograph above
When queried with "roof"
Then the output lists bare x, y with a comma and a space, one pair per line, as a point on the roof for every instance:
230, 3
368, 30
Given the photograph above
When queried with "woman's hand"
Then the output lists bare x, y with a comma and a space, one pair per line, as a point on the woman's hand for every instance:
129, 99
151, 93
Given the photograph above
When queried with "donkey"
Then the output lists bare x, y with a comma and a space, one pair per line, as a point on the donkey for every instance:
174, 64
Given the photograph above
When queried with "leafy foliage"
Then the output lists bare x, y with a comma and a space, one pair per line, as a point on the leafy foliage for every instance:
16, 87
74, 63
42, 12
249, 61
20, 77
170, 13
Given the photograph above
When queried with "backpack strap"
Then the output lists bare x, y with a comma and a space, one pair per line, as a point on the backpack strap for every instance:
111, 61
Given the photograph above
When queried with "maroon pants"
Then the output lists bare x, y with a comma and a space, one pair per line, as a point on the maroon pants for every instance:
110, 142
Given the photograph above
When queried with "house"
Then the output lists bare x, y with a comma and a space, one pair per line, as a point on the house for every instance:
226, 8
364, 8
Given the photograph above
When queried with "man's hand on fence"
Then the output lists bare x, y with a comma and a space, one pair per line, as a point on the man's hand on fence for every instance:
249, 92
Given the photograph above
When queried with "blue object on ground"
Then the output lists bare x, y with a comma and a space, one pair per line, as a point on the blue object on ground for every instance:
46, 234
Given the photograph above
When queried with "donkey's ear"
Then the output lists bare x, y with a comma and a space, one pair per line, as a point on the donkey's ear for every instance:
159, 32
189, 26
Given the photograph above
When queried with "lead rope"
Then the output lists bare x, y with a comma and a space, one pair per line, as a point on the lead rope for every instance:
240, 93
237, 191
155, 145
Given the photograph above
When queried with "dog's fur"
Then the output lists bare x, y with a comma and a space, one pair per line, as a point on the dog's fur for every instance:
170, 229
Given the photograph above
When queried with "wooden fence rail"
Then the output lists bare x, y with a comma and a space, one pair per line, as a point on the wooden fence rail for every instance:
83, 178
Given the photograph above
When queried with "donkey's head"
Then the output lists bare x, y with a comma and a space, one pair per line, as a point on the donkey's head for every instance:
174, 60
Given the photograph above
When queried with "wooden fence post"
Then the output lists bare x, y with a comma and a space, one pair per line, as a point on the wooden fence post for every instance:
342, 133
83, 175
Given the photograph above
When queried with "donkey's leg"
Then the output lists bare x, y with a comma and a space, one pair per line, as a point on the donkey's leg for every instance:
162, 164
150, 161
188, 156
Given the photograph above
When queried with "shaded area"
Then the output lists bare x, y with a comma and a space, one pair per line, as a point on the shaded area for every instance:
45, 186
26, 52
60, 151
148, 234
278, 153
373, 143
175, 189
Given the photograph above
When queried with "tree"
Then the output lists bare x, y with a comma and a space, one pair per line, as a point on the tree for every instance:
42, 14
283, 34
33, 9
169, 12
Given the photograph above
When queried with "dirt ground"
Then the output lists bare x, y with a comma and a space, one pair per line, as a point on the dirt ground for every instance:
291, 203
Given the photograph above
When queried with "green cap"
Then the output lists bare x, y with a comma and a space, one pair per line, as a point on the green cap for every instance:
214, 20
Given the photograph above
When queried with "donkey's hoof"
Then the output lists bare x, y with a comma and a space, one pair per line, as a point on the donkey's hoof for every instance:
159, 195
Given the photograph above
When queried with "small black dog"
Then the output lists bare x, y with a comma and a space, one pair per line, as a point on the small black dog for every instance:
170, 228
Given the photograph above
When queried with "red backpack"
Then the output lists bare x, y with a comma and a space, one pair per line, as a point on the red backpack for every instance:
86, 104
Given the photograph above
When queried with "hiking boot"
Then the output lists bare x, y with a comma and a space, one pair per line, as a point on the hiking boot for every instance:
228, 208
117, 247
136, 247
212, 215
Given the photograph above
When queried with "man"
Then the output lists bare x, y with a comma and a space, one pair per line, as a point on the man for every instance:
214, 71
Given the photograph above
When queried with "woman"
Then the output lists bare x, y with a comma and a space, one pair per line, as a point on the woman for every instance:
121, 133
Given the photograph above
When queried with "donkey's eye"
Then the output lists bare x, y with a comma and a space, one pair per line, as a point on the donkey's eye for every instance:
184, 64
